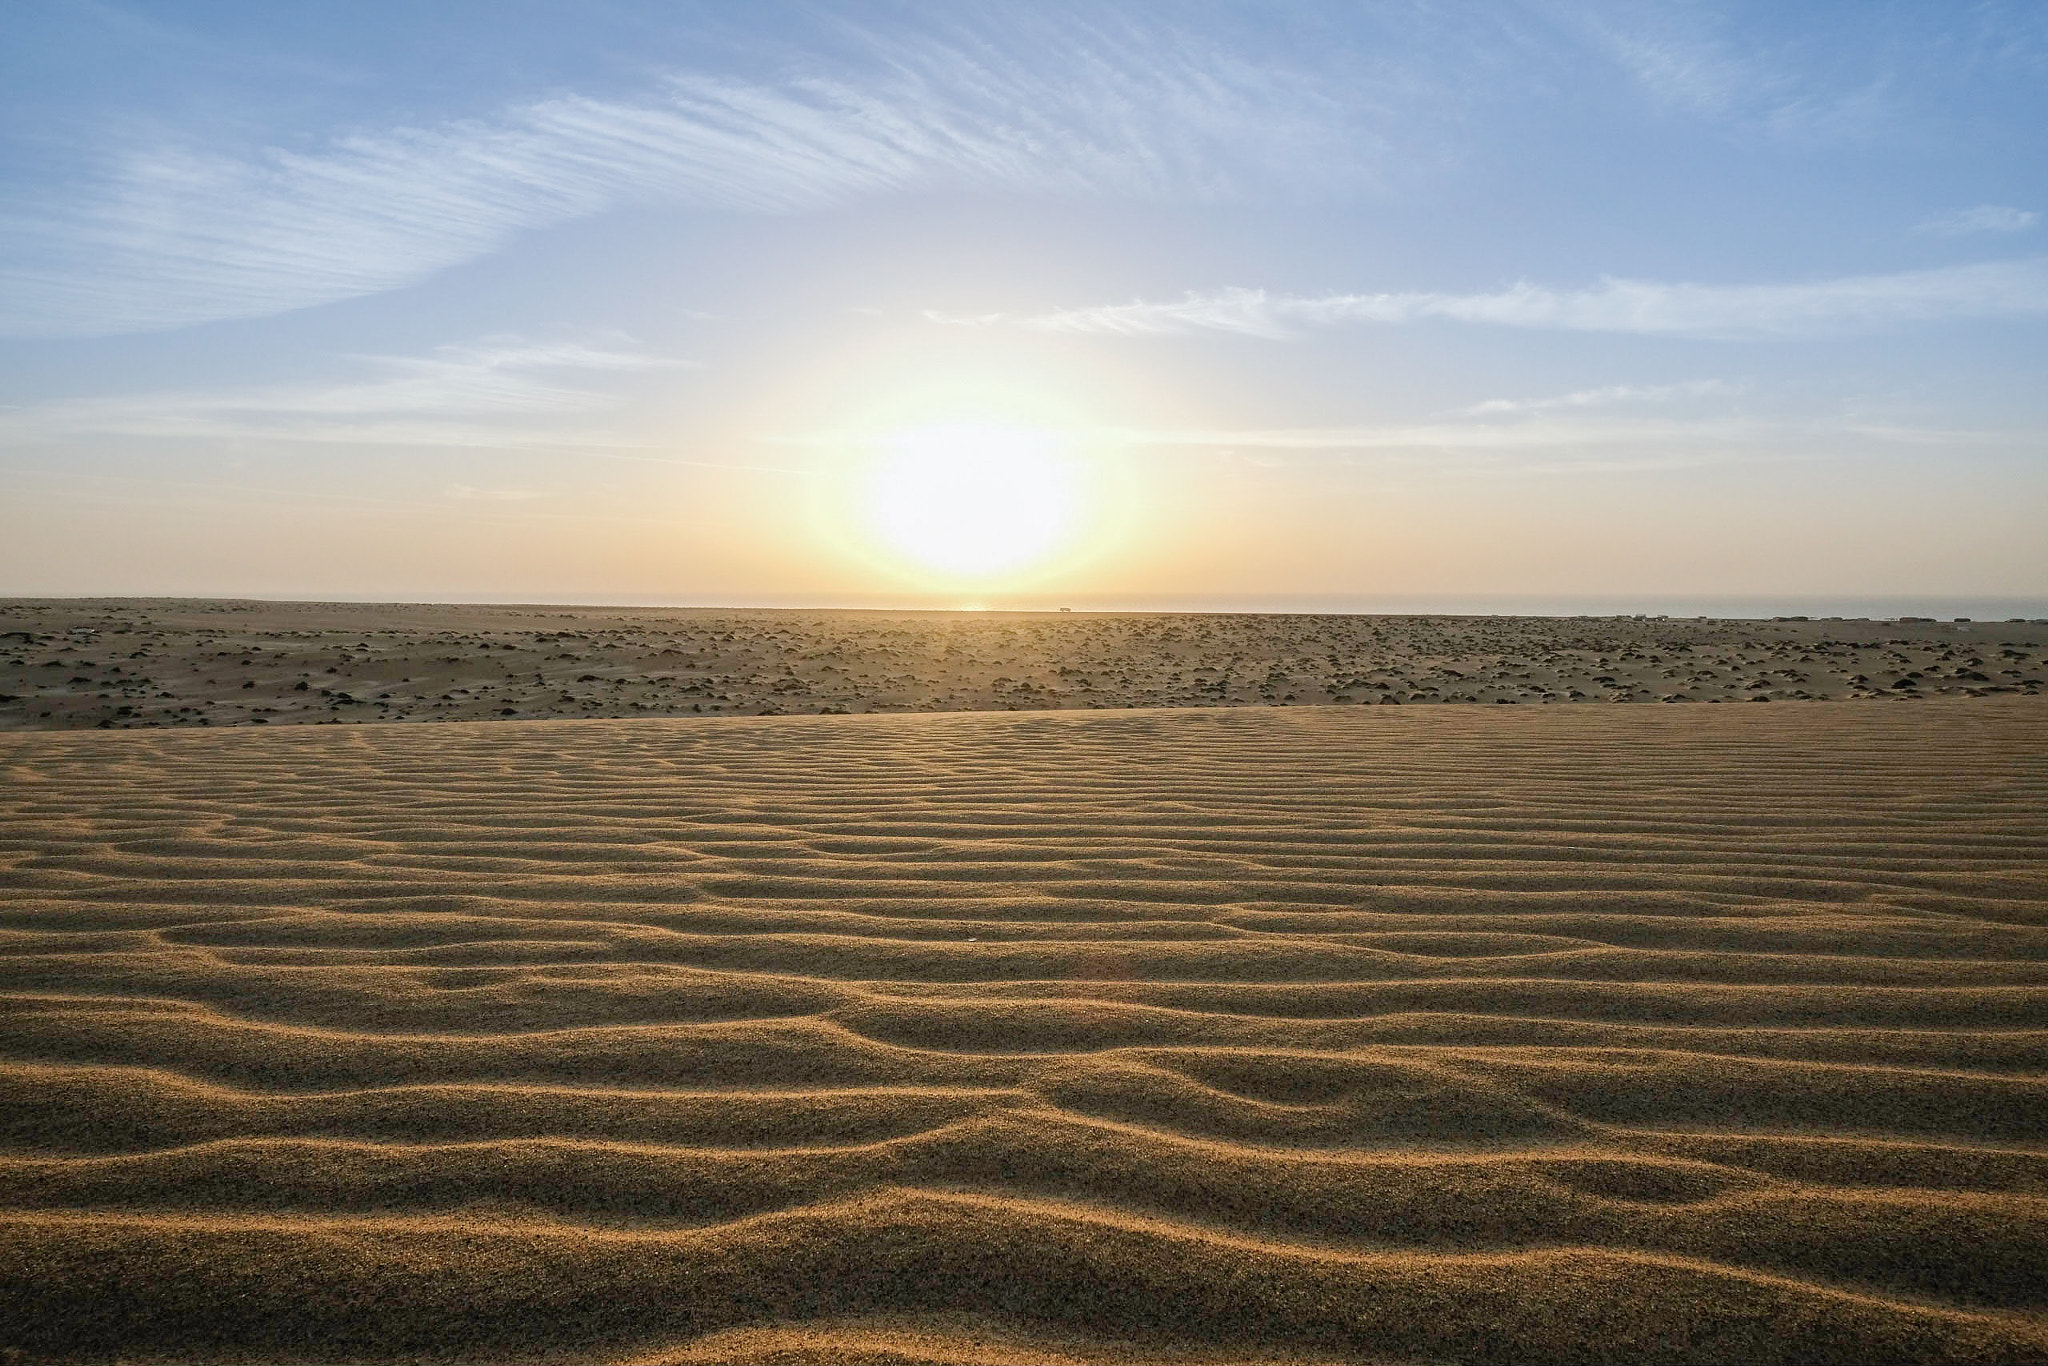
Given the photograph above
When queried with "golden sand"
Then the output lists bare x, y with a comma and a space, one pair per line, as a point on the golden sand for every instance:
1376, 1034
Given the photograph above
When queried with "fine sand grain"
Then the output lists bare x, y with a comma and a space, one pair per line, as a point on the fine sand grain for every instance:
1588, 1034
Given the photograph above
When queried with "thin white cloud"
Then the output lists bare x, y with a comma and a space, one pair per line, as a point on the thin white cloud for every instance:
1450, 436
1583, 440
1991, 289
177, 235
1537, 445
1606, 396
1586, 420
1542, 434
1993, 218
505, 393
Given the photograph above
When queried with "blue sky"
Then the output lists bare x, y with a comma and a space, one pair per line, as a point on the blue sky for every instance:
1371, 305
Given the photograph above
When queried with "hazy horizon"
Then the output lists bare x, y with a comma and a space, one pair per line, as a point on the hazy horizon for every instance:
1688, 308
1947, 609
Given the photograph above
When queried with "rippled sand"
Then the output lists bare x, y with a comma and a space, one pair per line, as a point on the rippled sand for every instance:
1330, 1035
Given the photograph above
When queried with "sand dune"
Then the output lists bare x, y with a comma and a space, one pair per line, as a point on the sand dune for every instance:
1309, 1035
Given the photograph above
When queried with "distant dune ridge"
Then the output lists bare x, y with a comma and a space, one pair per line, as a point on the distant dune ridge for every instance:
135, 663
1381, 1034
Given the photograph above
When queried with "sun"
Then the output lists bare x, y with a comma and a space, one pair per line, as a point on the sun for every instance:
973, 500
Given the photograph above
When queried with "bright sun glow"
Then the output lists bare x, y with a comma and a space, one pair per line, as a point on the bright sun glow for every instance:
974, 499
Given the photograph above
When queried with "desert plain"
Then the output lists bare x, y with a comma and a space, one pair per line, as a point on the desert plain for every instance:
124, 663
1062, 988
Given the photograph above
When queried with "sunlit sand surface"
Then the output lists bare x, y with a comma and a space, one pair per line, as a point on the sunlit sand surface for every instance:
1262, 1034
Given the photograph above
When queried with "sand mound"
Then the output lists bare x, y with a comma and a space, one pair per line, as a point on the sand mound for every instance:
1589, 1034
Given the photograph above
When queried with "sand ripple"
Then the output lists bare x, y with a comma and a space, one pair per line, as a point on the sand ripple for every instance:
1318, 1036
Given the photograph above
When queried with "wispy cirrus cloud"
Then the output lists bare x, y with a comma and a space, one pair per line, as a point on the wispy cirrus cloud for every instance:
1687, 422
1545, 434
506, 393
1607, 395
1606, 427
1992, 218
1575, 441
1693, 60
1992, 289
171, 235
